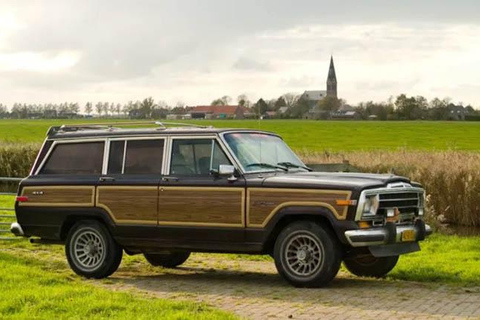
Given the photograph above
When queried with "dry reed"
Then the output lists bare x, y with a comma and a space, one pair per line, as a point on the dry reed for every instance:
451, 178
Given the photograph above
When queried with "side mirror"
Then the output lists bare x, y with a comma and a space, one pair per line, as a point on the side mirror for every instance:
226, 170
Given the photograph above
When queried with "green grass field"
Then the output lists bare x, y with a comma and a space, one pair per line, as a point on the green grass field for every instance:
36, 289
36, 281
312, 135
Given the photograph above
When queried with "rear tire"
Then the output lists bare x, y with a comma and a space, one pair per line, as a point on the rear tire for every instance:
91, 251
307, 254
370, 266
167, 260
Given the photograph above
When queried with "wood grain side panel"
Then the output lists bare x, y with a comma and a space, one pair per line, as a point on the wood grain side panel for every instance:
129, 204
262, 204
201, 206
60, 196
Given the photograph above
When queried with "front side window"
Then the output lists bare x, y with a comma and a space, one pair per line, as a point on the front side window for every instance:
136, 157
196, 157
262, 152
75, 158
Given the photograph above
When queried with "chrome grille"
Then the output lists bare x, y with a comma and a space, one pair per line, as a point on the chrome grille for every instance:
399, 200
408, 200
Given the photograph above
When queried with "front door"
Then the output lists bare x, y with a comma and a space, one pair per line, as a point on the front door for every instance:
195, 203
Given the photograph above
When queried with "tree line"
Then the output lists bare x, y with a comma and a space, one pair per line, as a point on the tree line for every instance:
287, 106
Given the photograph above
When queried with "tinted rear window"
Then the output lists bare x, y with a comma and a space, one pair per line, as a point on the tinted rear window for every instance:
75, 158
144, 157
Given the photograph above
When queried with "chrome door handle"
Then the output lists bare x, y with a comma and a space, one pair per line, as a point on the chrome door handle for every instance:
106, 179
170, 179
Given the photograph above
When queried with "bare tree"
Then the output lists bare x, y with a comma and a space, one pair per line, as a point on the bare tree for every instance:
88, 108
243, 101
290, 99
118, 108
99, 108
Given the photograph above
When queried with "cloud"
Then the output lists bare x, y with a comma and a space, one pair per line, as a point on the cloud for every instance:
198, 50
247, 64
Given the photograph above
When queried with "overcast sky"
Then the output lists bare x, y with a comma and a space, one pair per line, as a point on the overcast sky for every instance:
196, 51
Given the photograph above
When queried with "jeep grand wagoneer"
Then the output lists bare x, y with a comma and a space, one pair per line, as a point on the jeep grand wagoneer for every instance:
167, 191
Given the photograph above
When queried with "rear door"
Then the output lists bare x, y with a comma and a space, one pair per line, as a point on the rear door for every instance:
128, 190
196, 204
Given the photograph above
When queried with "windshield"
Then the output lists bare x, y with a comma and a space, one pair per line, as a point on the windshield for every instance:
262, 152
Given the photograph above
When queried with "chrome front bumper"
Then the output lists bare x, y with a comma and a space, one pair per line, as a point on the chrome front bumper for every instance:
16, 229
389, 234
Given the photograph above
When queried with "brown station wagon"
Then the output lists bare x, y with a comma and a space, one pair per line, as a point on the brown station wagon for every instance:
165, 192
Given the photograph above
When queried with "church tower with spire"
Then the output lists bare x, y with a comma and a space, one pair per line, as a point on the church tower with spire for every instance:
332, 80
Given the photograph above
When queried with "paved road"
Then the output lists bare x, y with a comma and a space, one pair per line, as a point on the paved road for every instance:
253, 290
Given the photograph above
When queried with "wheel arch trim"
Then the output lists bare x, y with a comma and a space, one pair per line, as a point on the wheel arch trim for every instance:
307, 205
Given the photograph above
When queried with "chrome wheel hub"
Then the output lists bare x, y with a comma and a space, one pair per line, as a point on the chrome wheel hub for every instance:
304, 255
88, 250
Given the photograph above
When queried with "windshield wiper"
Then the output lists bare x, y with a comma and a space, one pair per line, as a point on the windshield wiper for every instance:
293, 165
266, 165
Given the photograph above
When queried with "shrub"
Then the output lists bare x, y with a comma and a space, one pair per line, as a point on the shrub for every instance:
16, 159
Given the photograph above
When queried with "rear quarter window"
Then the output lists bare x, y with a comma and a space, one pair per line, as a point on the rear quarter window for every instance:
75, 158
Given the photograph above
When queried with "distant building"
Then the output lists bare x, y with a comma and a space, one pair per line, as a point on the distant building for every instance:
174, 116
314, 96
218, 112
332, 80
346, 112
456, 112
282, 110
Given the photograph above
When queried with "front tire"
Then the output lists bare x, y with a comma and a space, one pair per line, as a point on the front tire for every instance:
370, 266
307, 254
167, 260
91, 251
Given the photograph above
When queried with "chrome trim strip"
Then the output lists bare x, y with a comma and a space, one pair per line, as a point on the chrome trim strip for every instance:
106, 156
38, 156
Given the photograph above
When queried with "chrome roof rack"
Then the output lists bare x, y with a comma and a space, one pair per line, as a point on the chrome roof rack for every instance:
116, 125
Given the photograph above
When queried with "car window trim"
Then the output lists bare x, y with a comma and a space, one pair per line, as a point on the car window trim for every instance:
197, 137
57, 142
126, 139
243, 171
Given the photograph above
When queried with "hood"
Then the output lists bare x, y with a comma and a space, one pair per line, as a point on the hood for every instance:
332, 180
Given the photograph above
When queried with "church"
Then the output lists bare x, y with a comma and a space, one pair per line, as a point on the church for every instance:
314, 96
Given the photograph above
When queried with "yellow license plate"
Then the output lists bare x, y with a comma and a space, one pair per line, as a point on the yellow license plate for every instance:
408, 235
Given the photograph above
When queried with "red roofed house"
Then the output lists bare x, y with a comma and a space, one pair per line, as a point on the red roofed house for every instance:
217, 112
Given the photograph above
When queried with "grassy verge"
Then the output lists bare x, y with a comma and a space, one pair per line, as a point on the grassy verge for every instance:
35, 290
443, 259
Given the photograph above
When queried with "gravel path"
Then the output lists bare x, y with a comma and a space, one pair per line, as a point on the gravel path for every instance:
254, 290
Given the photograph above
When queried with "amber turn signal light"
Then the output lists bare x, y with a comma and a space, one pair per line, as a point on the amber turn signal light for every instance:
346, 202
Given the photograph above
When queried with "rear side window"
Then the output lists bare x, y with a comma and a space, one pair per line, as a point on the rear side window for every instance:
75, 158
136, 157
